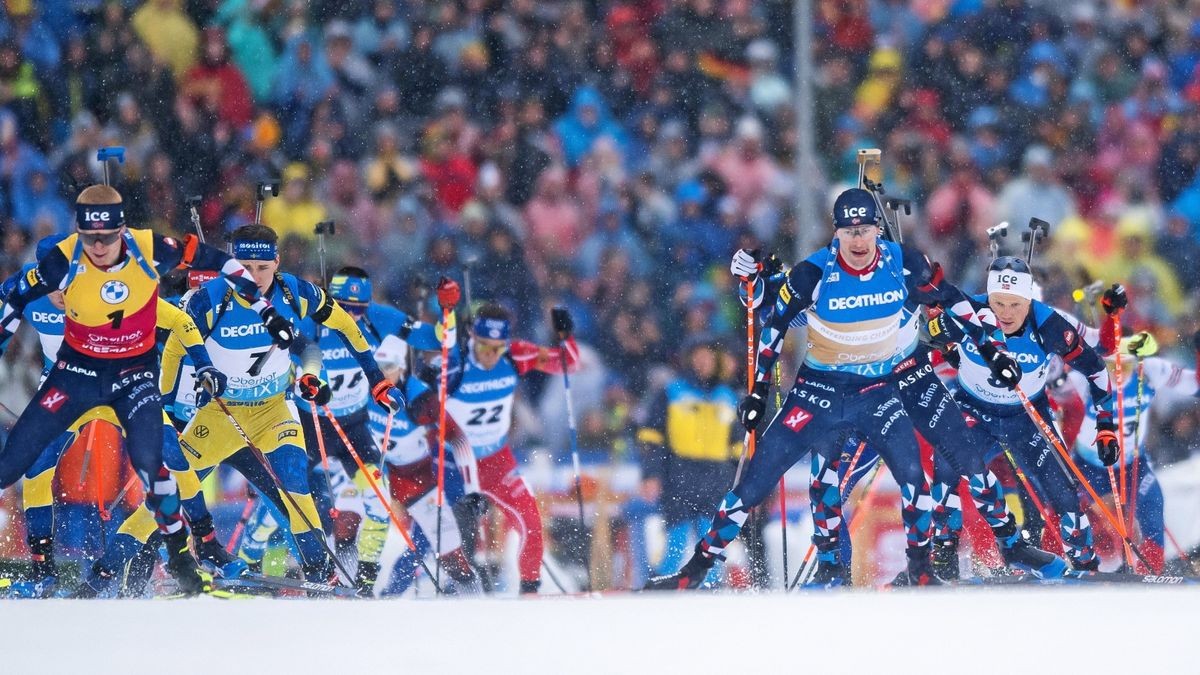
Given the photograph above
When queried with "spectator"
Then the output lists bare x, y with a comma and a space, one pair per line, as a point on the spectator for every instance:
295, 211
587, 121
169, 34
217, 85
1036, 194
553, 220
35, 198
689, 447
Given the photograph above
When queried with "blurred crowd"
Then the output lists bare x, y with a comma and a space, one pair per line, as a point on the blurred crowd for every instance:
609, 155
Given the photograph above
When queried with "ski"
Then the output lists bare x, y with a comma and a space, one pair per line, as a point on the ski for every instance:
251, 581
1074, 578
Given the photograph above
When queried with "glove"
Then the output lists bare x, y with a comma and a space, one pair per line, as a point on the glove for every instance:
753, 408
210, 383
745, 264
1114, 299
448, 293
1106, 438
312, 388
952, 356
279, 328
772, 266
1143, 344
561, 319
1005, 371
387, 395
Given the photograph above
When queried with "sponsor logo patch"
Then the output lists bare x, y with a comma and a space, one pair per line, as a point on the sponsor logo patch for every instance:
53, 400
797, 418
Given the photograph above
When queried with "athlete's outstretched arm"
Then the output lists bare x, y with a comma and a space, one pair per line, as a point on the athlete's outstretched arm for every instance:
794, 296
189, 253
1058, 336
33, 284
927, 284
528, 356
315, 303
183, 329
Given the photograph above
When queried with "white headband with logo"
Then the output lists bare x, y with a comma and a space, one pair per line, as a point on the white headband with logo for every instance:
1014, 283
392, 352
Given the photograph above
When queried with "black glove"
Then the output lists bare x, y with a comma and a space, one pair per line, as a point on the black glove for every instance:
952, 356
1114, 299
1106, 438
772, 265
312, 388
562, 322
280, 329
1005, 371
210, 383
753, 407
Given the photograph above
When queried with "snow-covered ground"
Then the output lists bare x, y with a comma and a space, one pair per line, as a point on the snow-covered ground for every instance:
1036, 630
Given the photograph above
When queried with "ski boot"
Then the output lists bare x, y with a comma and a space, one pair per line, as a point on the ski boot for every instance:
830, 572
530, 587
920, 567
322, 571
945, 558
1090, 565
364, 580
141, 568
689, 577
211, 553
43, 577
96, 583
183, 566
1020, 554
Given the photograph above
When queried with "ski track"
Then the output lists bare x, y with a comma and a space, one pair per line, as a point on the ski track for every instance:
970, 630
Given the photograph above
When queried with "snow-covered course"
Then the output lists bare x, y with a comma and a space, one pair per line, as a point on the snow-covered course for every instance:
1035, 630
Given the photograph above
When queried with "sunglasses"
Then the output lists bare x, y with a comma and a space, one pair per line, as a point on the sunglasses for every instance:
489, 346
860, 231
1009, 262
105, 238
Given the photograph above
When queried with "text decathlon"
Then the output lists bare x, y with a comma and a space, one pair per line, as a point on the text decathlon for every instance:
242, 331
868, 300
48, 317
488, 385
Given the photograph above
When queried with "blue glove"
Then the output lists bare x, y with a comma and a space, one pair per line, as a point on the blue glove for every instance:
387, 395
210, 383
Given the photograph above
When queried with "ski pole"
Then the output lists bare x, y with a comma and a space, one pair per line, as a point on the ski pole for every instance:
1119, 373
805, 573
554, 577
121, 495
333, 512
1048, 433
783, 512
1175, 542
1137, 433
1033, 496
87, 455
383, 499
248, 509
812, 548
443, 387
748, 446
574, 436
266, 464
